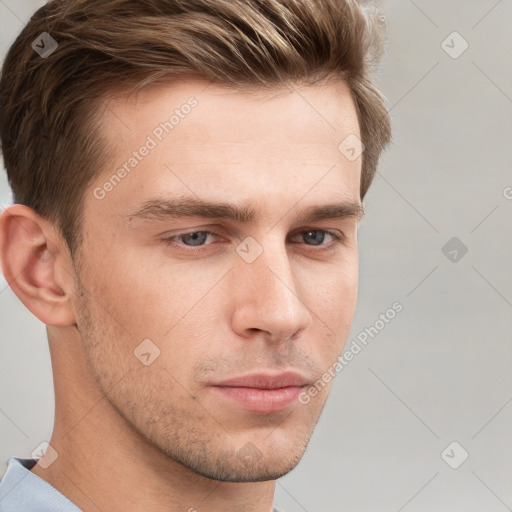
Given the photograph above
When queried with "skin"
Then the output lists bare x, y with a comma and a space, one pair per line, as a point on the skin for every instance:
131, 436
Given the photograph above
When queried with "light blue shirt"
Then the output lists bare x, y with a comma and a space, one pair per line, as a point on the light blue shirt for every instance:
22, 491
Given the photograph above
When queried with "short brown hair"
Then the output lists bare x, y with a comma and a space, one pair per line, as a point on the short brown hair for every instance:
49, 106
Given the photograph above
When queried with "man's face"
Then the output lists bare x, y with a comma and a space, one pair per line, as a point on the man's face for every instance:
259, 302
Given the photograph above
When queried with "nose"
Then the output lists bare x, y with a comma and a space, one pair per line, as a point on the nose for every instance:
267, 297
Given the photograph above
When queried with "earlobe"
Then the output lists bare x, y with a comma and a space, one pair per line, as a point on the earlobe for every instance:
30, 252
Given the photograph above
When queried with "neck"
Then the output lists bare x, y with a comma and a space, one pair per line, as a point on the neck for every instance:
103, 463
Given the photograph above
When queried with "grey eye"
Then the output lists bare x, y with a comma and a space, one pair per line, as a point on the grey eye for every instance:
316, 236
196, 238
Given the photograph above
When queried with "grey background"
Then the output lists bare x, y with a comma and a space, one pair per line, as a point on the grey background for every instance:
440, 371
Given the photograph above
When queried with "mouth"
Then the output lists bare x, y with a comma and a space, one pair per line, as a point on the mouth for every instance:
262, 393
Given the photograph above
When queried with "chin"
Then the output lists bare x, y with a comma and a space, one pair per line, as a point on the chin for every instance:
216, 459
236, 471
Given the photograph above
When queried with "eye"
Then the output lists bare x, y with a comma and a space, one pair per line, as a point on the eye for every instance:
191, 239
316, 237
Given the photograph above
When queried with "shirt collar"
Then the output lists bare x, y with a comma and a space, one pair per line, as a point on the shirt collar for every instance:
23, 491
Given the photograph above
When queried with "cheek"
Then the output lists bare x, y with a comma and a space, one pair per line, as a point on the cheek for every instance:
331, 289
333, 304
151, 296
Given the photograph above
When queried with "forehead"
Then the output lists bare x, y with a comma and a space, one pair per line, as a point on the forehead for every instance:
218, 143
314, 113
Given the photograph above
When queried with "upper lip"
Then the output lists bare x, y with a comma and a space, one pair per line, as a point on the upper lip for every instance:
265, 381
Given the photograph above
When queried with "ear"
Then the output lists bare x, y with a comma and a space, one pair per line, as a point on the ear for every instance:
37, 265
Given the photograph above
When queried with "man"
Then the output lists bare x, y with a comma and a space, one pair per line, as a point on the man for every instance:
188, 178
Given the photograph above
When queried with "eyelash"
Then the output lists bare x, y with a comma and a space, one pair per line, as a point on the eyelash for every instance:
337, 239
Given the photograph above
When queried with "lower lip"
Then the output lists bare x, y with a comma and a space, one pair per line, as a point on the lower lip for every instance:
259, 400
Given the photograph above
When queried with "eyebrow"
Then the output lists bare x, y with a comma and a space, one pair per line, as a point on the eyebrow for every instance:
161, 209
